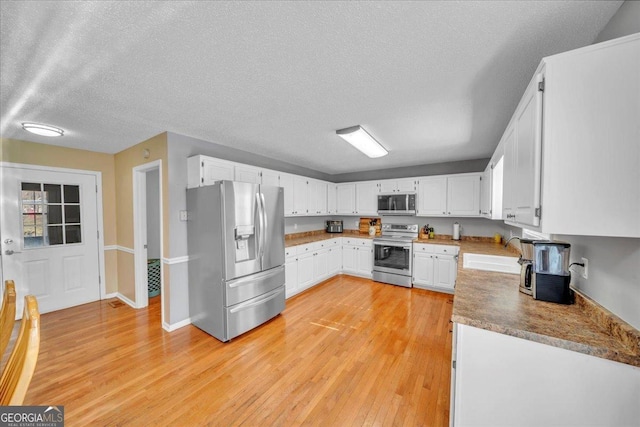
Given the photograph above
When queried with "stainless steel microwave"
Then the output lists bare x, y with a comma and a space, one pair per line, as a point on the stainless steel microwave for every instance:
397, 204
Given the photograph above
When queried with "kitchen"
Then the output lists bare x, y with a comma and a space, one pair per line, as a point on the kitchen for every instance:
619, 296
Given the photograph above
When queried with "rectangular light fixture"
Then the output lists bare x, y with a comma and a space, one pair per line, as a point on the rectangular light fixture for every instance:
359, 138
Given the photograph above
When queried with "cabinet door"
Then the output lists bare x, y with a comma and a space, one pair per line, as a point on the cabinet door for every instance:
485, 192
299, 195
346, 196
366, 198
291, 276
320, 265
349, 259
422, 269
321, 197
406, 185
388, 186
305, 270
216, 170
244, 173
335, 260
509, 175
286, 182
528, 155
311, 193
432, 196
444, 273
332, 199
364, 257
270, 177
463, 195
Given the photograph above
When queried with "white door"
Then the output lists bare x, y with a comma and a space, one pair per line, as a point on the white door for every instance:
50, 236
422, 269
444, 272
463, 195
432, 197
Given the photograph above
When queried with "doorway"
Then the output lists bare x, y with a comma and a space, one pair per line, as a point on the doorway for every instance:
51, 235
148, 236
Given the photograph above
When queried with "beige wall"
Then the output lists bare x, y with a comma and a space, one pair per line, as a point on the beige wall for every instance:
31, 153
125, 161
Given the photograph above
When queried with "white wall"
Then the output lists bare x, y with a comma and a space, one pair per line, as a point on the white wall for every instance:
626, 21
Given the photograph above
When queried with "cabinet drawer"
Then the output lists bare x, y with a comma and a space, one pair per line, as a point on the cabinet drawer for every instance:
290, 251
436, 249
303, 249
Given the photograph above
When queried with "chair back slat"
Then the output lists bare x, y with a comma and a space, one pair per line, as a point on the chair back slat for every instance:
18, 372
7, 315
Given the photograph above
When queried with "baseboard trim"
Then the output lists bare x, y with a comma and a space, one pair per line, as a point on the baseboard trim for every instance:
111, 295
126, 300
173, 326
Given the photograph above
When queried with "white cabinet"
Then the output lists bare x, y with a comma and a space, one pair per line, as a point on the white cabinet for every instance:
299, 195
493, 370
332, 199
204, 170
286, 182
320, 265
491, 190
366, 198
305, 270
246, 173
316, 194
485, 192
432, 196
522, 148
357, 256
407, 185
270, 177
463, 195
346, 199
435, 267
452, 195
290, 272
335, 260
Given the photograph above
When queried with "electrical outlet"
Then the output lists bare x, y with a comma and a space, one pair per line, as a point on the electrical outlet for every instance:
585, 269
295, 226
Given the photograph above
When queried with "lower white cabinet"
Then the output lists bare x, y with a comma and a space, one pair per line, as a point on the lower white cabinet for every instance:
357, 257
435, 267
305, 271
291, 276
335, 260
308, 265
501, 380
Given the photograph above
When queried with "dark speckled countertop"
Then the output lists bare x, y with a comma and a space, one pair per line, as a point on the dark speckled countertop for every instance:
492, 301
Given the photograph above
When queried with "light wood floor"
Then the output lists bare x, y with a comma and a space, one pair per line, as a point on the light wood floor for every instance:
348, 352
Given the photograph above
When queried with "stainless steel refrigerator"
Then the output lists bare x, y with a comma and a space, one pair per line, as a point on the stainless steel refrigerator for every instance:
236, 256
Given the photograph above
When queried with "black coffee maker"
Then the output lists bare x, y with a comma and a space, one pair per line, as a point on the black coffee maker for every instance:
550, 276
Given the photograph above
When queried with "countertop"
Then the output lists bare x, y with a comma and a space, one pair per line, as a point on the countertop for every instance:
492, 301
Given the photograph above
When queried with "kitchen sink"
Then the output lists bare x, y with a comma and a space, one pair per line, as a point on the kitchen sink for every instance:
500, 264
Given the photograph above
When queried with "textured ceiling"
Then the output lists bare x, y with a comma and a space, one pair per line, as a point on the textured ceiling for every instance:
432, 81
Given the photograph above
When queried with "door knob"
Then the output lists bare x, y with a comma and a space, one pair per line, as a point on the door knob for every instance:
8, 241
10, 252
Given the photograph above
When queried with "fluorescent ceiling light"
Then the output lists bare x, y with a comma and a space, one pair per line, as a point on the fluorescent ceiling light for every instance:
43, 130
359, 138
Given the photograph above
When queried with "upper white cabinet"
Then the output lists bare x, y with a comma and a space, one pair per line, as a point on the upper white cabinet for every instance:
366, 198
432, 196
359, 198
286, 182
485, 192
246, 173
332, 199
204, 170
453, 195
491, 190
316, 197
346, 199
578, 174
270, 177
407, 185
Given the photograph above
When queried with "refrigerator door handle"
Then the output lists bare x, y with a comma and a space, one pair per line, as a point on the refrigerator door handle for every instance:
261, 242
265, 222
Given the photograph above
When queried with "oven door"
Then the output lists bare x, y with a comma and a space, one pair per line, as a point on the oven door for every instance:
392, 257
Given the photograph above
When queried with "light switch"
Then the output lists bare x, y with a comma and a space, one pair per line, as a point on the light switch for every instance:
183, 215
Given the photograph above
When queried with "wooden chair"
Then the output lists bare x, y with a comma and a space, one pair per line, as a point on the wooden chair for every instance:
7, 315
18, 372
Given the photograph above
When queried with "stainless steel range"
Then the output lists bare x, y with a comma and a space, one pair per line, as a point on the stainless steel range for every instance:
393, 254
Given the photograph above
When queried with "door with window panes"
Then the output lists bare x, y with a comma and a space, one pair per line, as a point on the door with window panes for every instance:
49, 232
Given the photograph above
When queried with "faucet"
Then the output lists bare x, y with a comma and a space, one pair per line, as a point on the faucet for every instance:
510, 239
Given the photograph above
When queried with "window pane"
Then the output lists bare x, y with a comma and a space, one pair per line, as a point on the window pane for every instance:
73, 234
30, 186
71, 214
71, 194
55, 235
53, 193
55, 214
33, 242
29, 209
